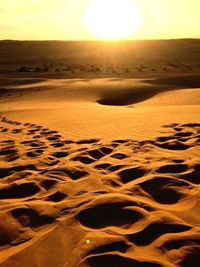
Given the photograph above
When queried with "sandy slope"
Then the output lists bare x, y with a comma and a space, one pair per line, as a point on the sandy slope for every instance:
76, 107
100, 172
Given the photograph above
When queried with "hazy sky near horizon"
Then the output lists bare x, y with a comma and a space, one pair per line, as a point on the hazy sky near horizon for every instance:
64, 19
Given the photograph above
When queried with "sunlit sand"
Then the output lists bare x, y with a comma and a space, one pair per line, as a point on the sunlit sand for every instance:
99, 154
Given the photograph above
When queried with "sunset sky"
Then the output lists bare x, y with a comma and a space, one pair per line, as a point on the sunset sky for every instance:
66, 19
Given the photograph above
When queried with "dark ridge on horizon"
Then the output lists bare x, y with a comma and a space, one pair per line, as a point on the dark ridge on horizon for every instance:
104, 41
110, 59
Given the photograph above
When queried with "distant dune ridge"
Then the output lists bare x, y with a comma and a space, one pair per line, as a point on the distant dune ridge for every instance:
105, 59
99, 169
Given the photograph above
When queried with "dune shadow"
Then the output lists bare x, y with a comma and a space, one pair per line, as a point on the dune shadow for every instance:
152, 87
128, 96
187, 81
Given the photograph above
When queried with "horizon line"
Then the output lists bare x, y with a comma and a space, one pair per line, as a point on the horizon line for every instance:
97, 40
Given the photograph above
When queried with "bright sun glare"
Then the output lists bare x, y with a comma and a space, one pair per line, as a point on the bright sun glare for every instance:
113, 19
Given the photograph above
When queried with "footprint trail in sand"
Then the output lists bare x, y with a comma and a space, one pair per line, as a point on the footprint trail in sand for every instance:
136, 203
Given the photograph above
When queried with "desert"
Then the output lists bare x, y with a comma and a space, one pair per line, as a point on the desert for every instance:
99, 159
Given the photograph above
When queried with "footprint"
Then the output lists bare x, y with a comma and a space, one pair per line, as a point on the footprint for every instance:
172, 168
106, 150
32, 143
119, 156
120, 141
178, 160
171, 125
17, 131
4, 172
183, 134
165, 138
192, 176
12, 157
191, 125
36, 153
84, 159
173, 145
60, 154
96, 154
57, 197
68, 142
161, 189
58, 144
115, 168
8, 151
75, 174
108, 166
109, 214
131, 174
4, 130
87, 141
19, 191
53, 138
155, 230
120, 246
181, 242
30, 218
72, 172
10, 142
178, 129
49, 161
9, 230
31, 132
102, 166
107, 260
49, 183
36, 136
191, 257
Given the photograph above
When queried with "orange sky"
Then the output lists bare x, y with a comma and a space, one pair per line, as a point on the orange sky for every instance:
65, 19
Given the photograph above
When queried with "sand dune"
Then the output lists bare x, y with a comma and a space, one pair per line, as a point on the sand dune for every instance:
99, 171
72, 106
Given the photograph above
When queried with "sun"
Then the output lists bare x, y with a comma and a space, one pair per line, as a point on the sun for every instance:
113, 19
